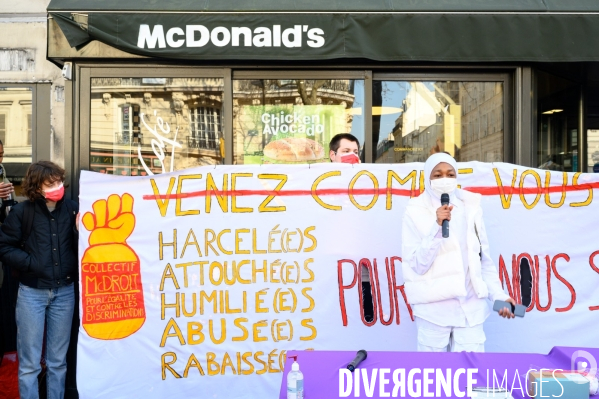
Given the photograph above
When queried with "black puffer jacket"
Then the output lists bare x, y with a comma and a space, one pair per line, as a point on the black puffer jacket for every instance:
49, 257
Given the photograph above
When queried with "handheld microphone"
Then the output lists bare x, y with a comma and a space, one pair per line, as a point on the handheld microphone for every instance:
445, 224
361, 355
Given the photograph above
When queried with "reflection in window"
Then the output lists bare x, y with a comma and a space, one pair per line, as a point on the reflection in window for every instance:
143, 126
205, 128
557, 123
412, 120
16, 130
293, 120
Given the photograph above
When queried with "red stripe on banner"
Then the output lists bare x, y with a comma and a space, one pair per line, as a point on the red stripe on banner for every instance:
487, 191
507, 190
285, 193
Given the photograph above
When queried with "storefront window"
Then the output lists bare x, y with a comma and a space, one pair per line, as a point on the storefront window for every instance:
142, 126
293, 120
414, 119
557, 123
16, 133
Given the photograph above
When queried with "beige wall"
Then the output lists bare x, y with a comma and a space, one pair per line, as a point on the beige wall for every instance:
23, 6
23, 38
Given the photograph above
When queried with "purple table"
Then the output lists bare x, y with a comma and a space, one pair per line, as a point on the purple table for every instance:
321, 368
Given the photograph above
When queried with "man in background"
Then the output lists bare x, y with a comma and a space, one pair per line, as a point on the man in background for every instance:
345, 148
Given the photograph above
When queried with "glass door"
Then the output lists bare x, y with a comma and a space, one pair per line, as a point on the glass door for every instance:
465, 116
558, 110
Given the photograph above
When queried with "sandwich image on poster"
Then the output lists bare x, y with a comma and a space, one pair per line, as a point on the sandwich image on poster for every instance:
293, 149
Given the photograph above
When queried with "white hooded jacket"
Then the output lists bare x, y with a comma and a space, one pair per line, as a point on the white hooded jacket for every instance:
454, 275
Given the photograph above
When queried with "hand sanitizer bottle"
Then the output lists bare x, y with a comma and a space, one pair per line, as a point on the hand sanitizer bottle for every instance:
295, 381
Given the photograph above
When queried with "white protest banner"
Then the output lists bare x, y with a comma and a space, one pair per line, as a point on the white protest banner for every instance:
195, 283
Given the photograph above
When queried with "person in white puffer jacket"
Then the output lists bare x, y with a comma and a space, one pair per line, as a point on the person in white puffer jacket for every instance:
448, 280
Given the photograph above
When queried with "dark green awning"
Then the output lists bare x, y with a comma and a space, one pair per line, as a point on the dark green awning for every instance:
383, 30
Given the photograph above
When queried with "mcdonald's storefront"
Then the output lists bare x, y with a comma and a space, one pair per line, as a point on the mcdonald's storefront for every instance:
509, 82
155, 87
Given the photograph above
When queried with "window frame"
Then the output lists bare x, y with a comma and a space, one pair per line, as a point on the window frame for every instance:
328, 74
40, 118
80, 96
41, 126
82, 99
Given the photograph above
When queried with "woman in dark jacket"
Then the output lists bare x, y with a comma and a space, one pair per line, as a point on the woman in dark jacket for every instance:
39, 240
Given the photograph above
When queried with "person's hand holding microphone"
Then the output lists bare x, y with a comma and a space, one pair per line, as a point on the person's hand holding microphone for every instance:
444, 213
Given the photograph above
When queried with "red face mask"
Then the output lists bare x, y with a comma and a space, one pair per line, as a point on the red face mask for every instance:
350, 158
55, 194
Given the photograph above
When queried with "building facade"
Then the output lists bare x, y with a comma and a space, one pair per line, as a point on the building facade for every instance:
152, 88
32, 111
